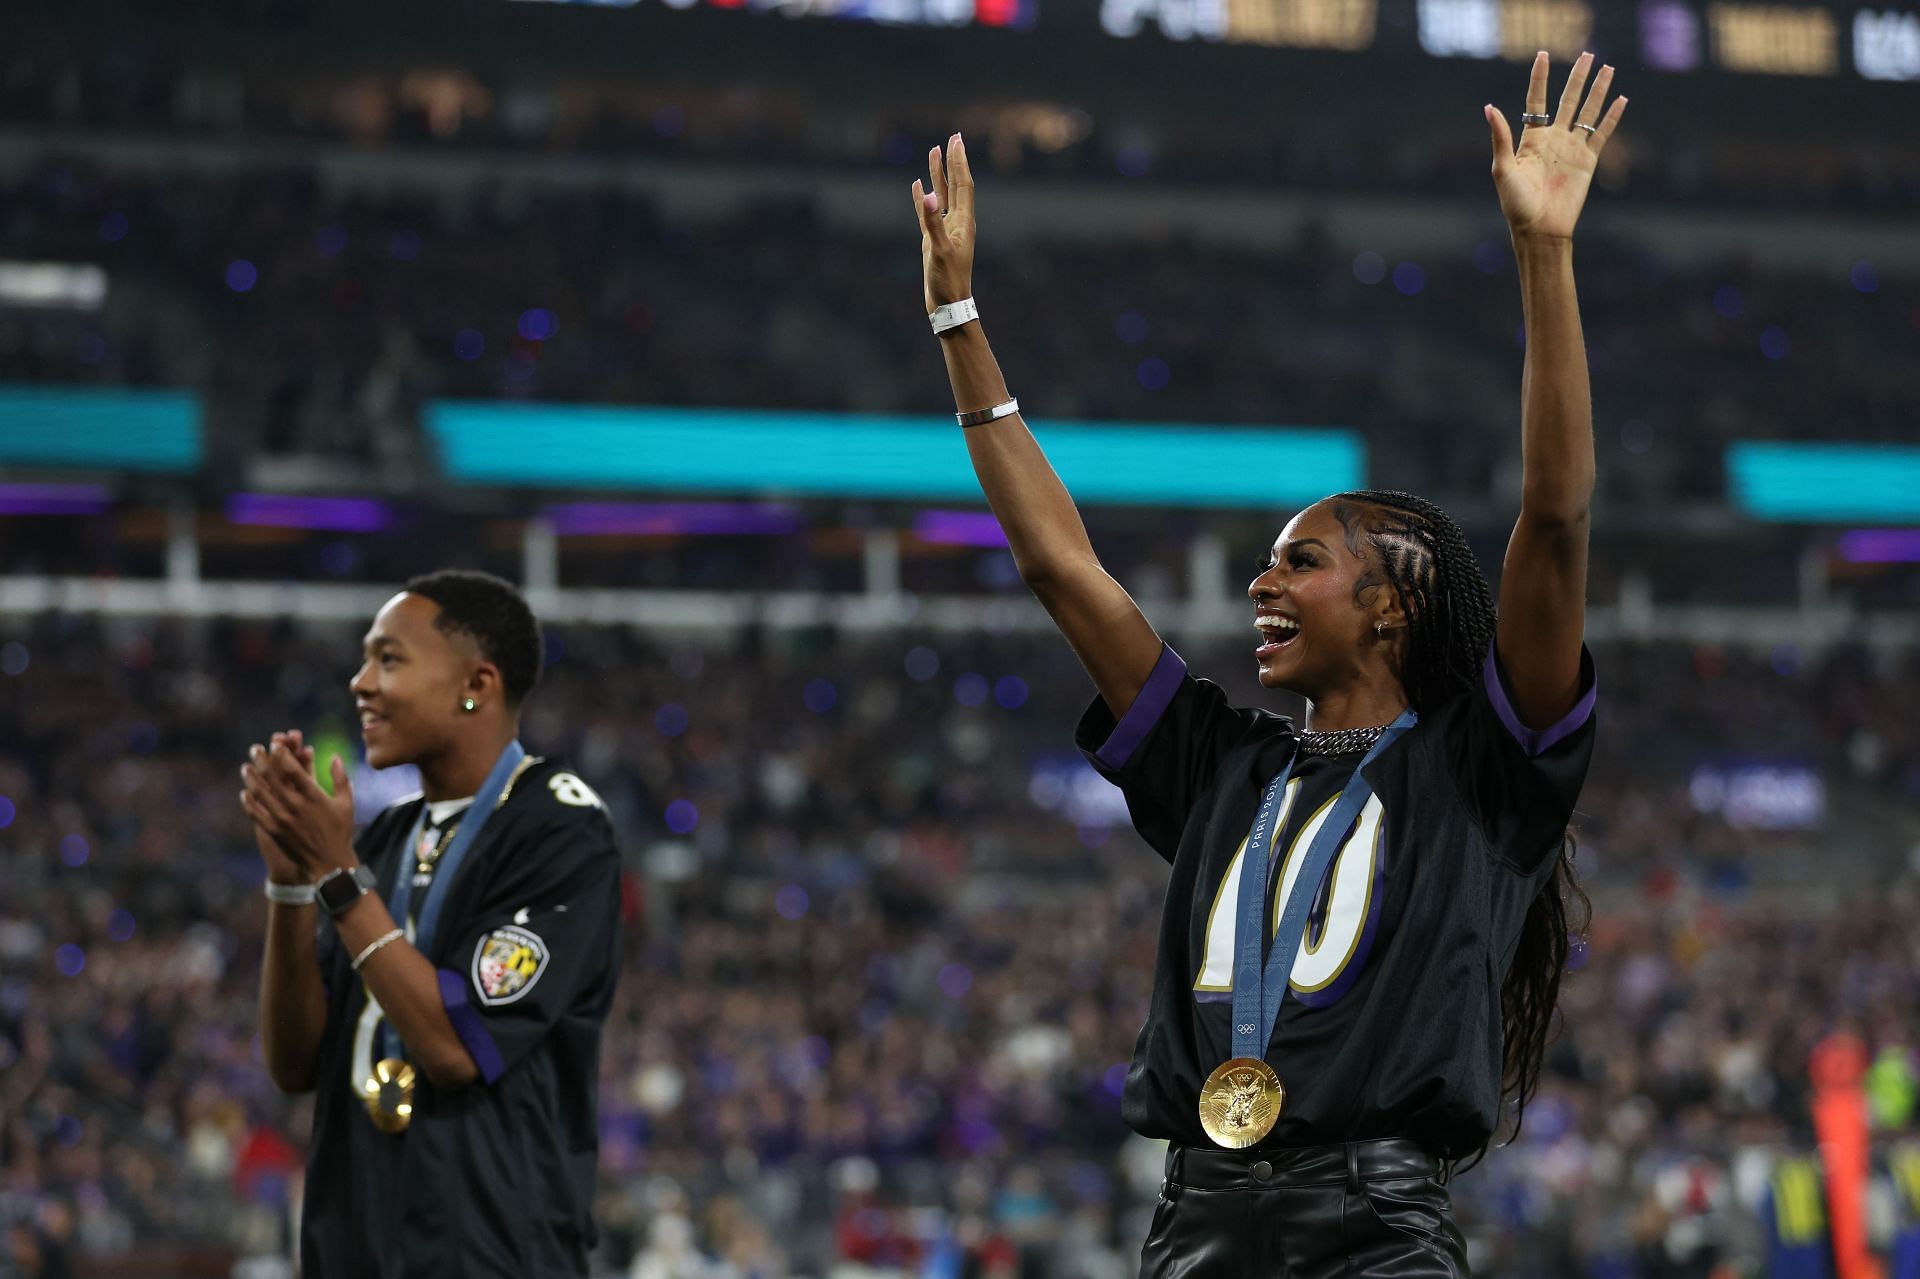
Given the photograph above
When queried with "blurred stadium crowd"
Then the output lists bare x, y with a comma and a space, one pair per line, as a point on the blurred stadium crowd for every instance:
773, 113
888, 942
316, 321
887, 948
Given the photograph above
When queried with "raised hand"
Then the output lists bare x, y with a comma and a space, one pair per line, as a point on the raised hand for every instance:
946, 225
1543, 182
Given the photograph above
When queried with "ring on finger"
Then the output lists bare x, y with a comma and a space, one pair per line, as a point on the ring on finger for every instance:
1590, 128
1535, 117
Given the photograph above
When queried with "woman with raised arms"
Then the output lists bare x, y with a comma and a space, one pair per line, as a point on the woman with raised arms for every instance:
1366, 919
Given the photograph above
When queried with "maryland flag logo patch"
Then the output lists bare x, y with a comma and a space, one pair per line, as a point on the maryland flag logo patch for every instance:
506, 964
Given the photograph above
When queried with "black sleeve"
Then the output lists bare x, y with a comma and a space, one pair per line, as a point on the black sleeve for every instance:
326, 949
1520, 784
1163, 753
541, 942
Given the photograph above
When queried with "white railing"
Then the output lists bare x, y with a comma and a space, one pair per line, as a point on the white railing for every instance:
1812, 629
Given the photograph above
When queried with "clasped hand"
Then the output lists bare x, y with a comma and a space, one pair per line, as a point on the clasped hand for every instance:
301, 827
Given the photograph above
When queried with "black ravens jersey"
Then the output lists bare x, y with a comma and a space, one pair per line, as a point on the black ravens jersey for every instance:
1392, 1026
495, 1178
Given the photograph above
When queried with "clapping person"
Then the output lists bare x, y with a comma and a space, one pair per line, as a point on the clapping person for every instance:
440, 980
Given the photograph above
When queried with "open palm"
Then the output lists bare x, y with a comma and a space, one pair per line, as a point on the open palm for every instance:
1543, 182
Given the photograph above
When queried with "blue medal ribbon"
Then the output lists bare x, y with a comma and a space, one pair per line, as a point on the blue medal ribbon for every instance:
484, 803
1259, 990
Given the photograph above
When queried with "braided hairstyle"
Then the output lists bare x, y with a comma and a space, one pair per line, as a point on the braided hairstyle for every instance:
1416, 550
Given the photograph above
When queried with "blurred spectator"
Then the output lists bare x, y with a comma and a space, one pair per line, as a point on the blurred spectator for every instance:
139, 90
879, 997
318, 322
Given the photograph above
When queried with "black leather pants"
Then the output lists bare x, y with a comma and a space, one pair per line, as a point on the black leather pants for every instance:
1373, 1208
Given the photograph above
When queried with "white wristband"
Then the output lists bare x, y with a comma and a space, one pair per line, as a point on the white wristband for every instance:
951, 315
291, 894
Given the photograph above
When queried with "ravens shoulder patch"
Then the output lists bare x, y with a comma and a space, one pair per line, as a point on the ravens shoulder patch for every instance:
507, 963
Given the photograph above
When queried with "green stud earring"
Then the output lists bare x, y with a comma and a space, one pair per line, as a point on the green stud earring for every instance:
469, 706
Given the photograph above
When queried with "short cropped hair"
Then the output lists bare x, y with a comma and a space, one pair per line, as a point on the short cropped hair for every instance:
496, 615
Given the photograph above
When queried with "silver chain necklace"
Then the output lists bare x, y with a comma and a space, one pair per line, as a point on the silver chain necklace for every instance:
1340, 741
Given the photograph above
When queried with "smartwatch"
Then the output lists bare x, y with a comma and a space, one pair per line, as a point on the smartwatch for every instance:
339, 889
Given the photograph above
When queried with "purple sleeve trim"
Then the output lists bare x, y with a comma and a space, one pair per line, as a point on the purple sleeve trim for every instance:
1537, 742
1148, 706
468, 1025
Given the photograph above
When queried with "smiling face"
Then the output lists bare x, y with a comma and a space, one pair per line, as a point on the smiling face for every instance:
409, 688
1318, 601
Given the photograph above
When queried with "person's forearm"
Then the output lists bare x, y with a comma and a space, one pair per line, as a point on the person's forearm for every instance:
1035, 511
1556, 400
408, 988
293, 1002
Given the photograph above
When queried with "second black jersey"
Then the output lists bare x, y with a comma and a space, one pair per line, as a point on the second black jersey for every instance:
495, 1179
1392, 1024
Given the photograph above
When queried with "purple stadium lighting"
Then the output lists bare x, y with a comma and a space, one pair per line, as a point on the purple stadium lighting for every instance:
1669, 36
52, 499
334, 514
959, 528
591, 519
1881, 546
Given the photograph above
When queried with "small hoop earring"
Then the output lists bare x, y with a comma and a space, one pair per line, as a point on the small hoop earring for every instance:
469, 706
1379, 630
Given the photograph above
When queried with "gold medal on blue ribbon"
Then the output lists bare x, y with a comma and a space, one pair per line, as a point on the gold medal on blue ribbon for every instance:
1242, 1098
1241, 1101
387, 1089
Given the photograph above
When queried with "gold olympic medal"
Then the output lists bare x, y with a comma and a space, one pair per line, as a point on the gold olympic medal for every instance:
1240, 1102
388, 1092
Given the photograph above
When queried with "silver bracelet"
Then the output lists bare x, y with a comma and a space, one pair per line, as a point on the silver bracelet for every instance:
291, 894
980, 417
394, 934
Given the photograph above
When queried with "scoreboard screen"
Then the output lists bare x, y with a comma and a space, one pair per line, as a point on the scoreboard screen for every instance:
1873, 42
900, 13
1662, 35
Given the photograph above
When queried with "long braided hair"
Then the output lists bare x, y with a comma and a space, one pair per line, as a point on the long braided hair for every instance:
1415, 549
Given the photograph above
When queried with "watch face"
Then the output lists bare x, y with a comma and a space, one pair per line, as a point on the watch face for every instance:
341, 891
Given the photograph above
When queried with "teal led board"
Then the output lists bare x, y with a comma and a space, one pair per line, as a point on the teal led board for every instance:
99, 427
854, 455
1825, 483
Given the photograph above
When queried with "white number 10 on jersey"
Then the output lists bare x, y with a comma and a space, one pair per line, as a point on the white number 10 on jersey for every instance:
1337, 948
